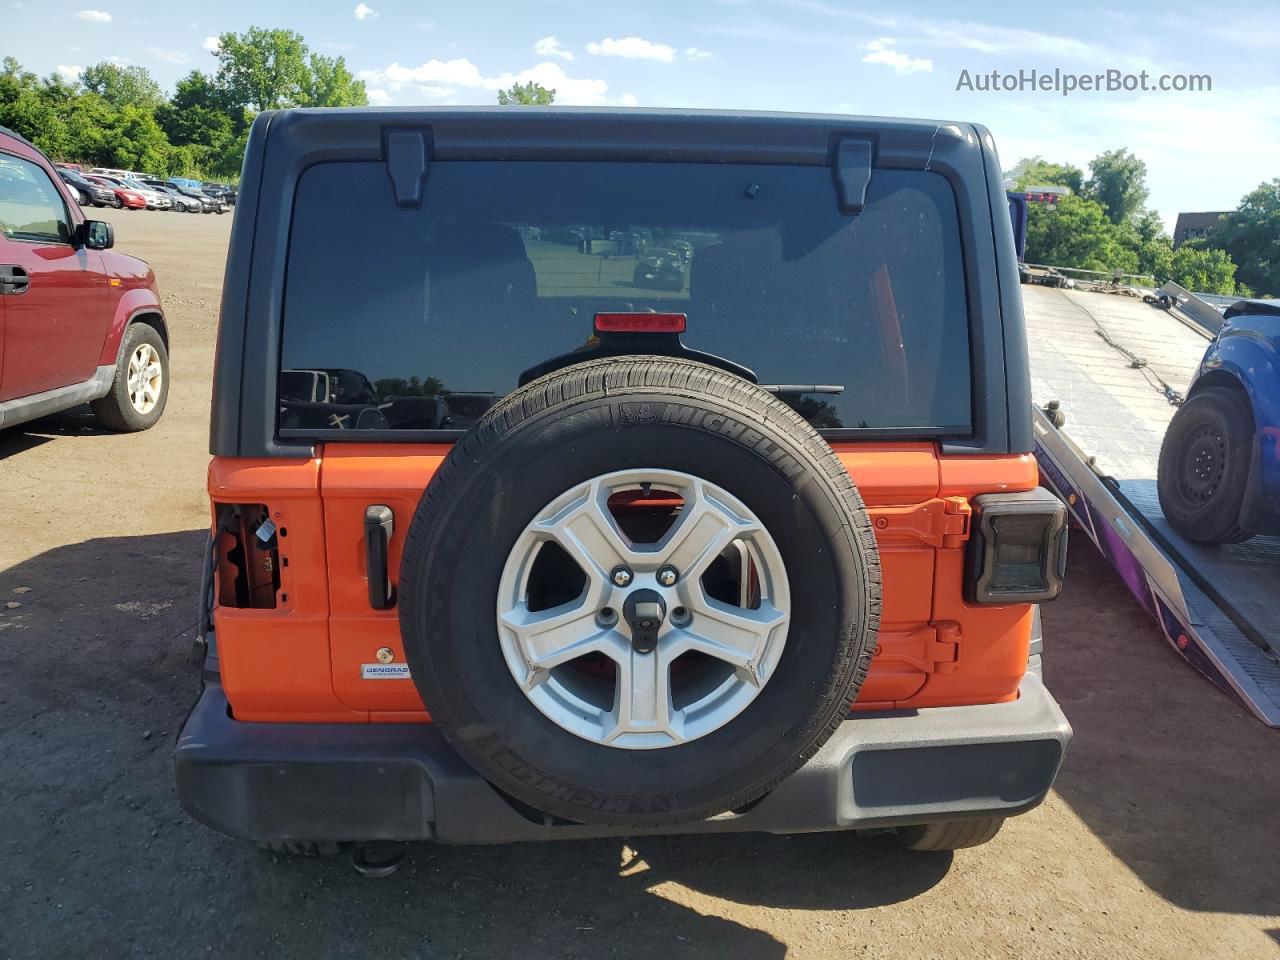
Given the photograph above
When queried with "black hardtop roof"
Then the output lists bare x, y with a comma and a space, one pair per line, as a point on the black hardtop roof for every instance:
625, 115
525, 132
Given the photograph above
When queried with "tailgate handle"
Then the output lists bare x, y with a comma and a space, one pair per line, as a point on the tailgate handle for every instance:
379, 525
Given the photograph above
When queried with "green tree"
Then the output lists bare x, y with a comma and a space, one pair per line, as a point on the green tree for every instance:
1203, 270
199, 120
1146, 237
531, 94
122, 86
1117, 180
262, 69
1077, 234
137, 142
330, 84
25, 111
1251, 236
1039, 172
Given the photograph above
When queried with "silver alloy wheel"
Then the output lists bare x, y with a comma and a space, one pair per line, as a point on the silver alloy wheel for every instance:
740, 645
145, 376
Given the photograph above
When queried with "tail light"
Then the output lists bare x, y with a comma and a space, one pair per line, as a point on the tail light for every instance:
1017, 548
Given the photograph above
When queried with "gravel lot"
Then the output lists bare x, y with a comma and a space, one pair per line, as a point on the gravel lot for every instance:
1159, 841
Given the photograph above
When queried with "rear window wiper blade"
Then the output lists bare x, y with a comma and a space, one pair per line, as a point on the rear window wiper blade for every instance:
803, 387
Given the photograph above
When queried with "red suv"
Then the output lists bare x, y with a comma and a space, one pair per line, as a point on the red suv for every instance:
78, 323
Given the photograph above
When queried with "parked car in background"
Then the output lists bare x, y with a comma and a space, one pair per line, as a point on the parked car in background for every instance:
69, 166
224, 192
1219, 470
108, 172
85, 191
207, 203
156, 200
152, 200
82, 323
124, 197
181, 202
660, 270
195, 188
186, 183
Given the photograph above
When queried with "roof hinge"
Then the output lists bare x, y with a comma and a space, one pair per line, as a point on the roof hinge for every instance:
851, 169
405, 153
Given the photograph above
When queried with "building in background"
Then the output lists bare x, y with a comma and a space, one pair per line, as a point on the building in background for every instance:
1192, 226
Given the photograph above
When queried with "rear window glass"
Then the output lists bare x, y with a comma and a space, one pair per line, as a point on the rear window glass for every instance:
423, 319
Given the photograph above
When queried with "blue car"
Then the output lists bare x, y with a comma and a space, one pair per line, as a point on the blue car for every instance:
1219, 473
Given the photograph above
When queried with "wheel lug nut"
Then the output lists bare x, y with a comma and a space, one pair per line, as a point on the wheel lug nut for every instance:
621, 576
667, 576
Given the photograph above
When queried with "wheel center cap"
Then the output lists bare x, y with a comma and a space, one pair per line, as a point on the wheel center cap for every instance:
644, 611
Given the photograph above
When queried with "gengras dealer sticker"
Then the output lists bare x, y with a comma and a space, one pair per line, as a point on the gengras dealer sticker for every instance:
384, 671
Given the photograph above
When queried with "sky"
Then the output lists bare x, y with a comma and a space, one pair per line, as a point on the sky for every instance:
1204, 149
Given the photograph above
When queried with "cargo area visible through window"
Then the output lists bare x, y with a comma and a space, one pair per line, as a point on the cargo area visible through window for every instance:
423, 319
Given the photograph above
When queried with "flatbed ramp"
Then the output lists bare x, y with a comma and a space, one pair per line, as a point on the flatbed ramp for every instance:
1116, 366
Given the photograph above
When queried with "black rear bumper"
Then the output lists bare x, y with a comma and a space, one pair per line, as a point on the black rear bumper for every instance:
269, 781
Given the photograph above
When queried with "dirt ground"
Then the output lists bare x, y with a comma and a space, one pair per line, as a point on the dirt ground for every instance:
1160, 839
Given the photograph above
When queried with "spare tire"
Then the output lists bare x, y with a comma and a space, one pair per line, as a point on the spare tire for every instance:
639, 591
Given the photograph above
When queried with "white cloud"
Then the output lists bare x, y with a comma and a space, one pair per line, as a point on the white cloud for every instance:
441, 74
377, 98
569, 90
882, 51
628, 100
693, 53
168, 56
438, 80
632, 48
363, 11
550, 47
119, 61
212, 44
985, 38
69, 73
95, 16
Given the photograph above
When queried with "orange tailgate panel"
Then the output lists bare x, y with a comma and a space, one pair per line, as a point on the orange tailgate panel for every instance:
355, 477
275, 662
303, 660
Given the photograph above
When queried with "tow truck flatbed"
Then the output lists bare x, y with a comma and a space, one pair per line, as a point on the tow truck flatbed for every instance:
1116, 367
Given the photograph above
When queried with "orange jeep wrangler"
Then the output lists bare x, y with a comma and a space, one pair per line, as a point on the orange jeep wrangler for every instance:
582, 473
